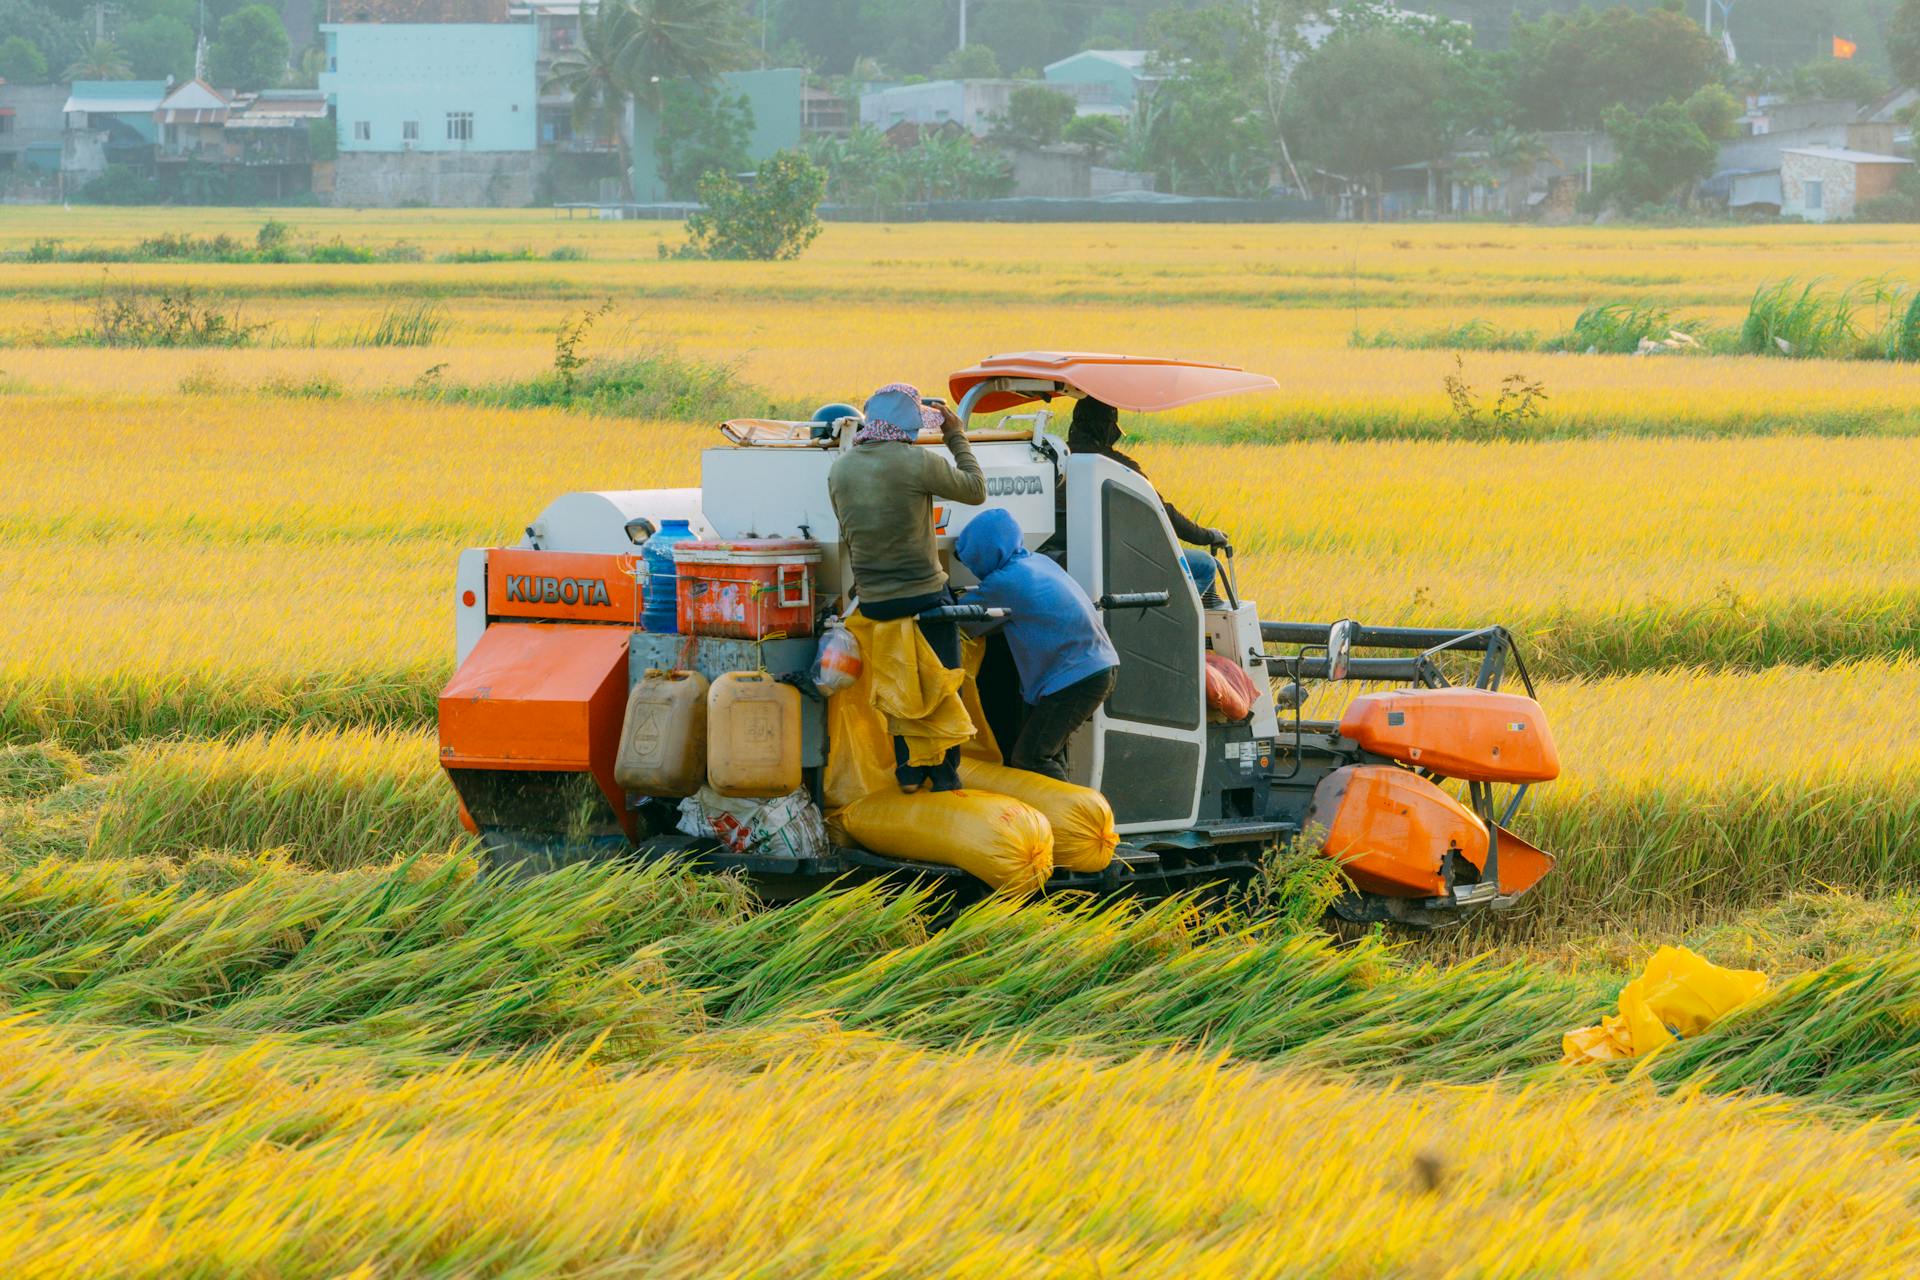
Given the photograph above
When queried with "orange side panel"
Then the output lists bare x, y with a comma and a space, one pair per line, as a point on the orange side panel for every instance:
1522, 865
1470, 734
540, 696
571, 586
1389, 828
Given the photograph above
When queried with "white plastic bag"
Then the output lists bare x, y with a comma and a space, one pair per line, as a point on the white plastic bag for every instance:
837, 663
788, 826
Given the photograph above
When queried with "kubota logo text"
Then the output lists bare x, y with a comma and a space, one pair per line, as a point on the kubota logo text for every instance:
1013, 486
526, 589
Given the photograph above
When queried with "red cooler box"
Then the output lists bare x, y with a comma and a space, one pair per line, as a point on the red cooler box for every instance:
747, 588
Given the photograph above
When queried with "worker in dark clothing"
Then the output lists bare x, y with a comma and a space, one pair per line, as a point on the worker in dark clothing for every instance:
1096, 429
882, 491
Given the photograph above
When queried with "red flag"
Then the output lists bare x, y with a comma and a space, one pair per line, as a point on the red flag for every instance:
1844, 48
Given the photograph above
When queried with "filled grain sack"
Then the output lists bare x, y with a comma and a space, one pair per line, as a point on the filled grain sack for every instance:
995, 838
1081, 818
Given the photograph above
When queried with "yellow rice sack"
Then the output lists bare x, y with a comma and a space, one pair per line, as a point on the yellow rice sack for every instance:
1081, 818
992, 837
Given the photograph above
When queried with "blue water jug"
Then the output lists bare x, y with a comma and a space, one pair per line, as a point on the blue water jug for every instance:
662, 612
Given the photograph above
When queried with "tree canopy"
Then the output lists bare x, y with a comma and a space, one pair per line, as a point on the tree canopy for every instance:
1036, 117
158, 47
249, 50
1366, 103
1903, 43
1568, 71
21, 61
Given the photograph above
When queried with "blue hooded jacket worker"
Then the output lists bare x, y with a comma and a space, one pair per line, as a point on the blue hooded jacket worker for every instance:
1067, 666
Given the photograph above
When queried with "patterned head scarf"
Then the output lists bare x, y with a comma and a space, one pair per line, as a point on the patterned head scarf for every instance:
890, 415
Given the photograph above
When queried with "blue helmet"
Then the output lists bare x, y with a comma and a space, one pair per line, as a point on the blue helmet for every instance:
834, 412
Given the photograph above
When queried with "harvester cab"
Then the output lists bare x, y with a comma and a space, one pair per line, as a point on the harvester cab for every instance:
1412, 784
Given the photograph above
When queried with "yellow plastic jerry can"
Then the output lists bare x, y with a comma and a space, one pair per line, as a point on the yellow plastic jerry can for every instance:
663, 741
753, 736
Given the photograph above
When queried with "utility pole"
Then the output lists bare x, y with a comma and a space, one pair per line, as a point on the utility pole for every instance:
963, 24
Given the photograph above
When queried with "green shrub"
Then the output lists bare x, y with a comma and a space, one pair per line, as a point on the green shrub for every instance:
776, 216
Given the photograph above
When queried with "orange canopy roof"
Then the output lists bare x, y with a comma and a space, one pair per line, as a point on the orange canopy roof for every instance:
1139, 384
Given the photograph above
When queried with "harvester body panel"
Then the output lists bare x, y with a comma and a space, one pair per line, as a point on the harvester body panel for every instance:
1391, 830
1476, 735
537, 698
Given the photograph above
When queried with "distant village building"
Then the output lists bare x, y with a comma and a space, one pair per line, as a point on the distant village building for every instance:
266, 136
434, 102
1102, 81
33, 128
1825, 184
972, 104
110, 122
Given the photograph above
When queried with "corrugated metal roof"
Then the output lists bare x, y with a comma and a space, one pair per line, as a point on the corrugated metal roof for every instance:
1843, 154
1132, 59
115, 96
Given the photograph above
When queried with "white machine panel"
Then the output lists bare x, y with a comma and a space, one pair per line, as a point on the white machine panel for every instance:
597, 521
469, 620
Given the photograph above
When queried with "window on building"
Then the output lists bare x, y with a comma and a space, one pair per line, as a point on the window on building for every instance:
6, 124
1816, 195
363, 131
459, 126
561, 37
409, 131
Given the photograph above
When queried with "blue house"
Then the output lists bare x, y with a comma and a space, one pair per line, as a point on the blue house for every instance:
434, 102
444, 86
775, 97
1101, 81
110, 122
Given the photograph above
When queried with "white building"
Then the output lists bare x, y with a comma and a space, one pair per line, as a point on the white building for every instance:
1825, 184
974, 104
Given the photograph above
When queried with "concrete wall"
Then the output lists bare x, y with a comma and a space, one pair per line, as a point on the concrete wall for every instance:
472, 179
1055, 172
1836, 179
387, 74
36, 114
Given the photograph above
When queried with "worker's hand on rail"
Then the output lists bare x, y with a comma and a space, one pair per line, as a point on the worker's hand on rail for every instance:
950, 422
1217, 538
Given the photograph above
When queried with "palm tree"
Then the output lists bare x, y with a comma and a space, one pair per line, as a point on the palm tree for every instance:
629, 48
103, 61
682, 40
594, 76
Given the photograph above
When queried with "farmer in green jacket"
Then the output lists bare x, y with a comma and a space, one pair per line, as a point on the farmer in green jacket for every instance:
883, 490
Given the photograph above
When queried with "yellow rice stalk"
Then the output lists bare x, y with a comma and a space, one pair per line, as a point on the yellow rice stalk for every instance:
855, 1158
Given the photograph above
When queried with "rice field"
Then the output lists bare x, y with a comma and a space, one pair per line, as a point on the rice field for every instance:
261, 1014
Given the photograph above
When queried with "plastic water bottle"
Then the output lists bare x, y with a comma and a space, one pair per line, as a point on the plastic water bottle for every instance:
662, 611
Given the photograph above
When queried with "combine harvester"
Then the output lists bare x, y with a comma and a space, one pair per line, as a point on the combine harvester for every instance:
552, 639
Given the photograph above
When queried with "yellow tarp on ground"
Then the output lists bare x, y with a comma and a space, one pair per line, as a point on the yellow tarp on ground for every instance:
1679, 995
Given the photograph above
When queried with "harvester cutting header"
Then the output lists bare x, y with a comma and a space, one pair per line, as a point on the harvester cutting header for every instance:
688, 673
